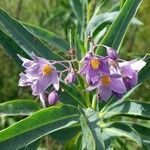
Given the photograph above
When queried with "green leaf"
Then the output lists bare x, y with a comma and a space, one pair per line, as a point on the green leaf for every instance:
12, 48
127, 108
48, 36
72, 95
78, 10
92, 138
98, 22
27, 41
143, 131
116, 130
66, 134
75, 143
107, 141
20, 107
145, 72
41, 123
117, 30
32, 146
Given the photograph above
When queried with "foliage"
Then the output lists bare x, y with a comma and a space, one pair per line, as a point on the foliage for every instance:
101, 126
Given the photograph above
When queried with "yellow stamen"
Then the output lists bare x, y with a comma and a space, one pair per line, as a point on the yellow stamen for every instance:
47, 69
105, 80
95, 63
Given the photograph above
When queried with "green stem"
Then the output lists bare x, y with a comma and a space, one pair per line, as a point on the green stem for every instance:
94, 102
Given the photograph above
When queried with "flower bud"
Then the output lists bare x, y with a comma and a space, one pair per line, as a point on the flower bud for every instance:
53, 98
112, 53
71, 77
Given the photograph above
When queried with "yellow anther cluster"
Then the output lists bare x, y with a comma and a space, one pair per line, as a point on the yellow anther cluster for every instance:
105, 80
47, 69
95, 63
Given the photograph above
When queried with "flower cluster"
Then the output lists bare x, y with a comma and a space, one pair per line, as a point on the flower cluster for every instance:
40, 74
109, 75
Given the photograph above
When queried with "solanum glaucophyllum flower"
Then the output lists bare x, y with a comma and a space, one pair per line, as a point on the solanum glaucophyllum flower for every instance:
129, 71
107, 85
93, 67
109, 75
39, 74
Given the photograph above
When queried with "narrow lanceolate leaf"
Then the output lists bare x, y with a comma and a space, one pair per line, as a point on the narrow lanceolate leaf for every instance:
48, 36
27, 41
128, 108
92, 137
145, 72
32, 146
11, 48
72, 95
78, 10
98, 22
116, 130
18, 107
41, 123
117, 30
71, 131
143, 131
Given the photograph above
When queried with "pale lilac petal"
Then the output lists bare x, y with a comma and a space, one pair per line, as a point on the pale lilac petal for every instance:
44, 82
34, 70
39, 60
112, 53
26, 80
117, 85
103, 67
127, 71
91, 88
115, 75
84, 69
93, 73
134, 79
40, 85
131, 82
104, 92
118, 95
126, 63
26, 62
95, 79
138, 65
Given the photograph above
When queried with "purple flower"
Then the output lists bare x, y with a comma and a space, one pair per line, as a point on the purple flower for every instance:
107, 85
112, 54
39, 74
53, 98
129, 71
93, 67
71, 77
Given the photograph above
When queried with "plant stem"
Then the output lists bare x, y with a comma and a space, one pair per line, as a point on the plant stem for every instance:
94, 102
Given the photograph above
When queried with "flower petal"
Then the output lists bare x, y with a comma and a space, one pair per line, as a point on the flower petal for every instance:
103, 67
138, 65
84, 69
91, 88
104, 93
26, 80
117, 85
26, 62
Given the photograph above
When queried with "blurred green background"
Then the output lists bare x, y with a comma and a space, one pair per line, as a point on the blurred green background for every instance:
54, 15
